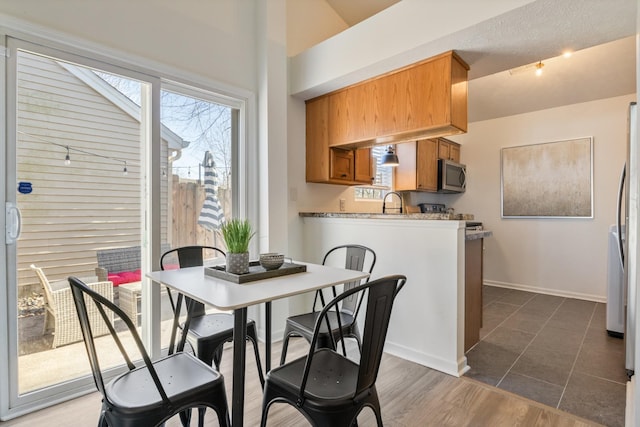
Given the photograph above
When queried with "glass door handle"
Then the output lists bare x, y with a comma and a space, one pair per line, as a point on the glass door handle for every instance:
13, 223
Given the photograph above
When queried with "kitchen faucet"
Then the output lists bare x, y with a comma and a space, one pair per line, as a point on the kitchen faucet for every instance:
384, 201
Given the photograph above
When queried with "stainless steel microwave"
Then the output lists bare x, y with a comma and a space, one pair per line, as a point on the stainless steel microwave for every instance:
452, 177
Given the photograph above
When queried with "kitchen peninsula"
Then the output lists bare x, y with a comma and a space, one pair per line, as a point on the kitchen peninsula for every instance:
428, 320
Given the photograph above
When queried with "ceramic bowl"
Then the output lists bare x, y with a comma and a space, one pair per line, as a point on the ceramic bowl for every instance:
271, 261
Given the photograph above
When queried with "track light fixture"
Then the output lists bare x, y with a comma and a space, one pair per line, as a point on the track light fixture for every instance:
67, 158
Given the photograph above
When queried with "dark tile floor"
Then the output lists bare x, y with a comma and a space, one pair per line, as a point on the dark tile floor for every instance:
553, 350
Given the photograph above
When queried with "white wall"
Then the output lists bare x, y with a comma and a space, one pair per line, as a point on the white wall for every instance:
214, 39
560, 256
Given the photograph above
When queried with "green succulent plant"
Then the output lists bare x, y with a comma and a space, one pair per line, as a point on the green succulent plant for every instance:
237, 233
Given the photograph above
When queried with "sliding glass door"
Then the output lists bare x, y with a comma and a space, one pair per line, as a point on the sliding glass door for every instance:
105, 169
78, 154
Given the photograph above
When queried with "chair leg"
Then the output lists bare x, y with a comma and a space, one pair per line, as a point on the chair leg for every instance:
201, 413
285, 345
216, 357
102, 421
185, 417
258, 362
252, 335
223, 417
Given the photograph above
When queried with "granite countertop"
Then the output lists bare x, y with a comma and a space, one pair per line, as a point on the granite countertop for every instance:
446, 216
471, 234
477, 234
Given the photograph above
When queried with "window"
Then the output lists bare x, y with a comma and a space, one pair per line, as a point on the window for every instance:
382, 182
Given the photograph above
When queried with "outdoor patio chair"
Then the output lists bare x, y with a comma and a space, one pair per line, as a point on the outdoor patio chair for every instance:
149, 394
59, 314
328, 388
302, 325
207, 332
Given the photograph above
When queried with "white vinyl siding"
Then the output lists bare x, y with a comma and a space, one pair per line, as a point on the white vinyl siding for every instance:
90, 204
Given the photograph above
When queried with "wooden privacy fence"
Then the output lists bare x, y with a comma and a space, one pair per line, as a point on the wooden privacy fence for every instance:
187, 198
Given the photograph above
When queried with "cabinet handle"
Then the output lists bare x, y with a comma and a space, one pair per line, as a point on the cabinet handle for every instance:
344, 175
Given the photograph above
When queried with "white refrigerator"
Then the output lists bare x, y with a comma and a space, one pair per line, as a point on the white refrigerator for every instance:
629, 250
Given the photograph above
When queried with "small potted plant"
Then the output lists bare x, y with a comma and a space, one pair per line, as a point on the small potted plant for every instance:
237, 233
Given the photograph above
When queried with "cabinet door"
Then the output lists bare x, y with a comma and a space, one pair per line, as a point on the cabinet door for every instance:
338, 118
454, 152
473, 293
427, 165
443, 149
342, 163
434, 87
391, 103
364, 166
448, 150
361, 114
317, 140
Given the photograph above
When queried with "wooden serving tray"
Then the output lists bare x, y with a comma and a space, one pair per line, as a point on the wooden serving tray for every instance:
256, 272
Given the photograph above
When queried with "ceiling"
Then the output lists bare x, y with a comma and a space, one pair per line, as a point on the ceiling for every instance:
354, 11
503, 51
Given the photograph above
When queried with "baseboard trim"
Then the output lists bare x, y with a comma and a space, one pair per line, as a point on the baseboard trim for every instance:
546, 291
453, 368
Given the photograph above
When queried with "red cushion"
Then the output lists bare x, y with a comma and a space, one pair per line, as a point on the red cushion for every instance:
115, 279
124, 277
130, 276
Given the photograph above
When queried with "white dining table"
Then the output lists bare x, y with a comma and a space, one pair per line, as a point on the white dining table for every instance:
225, 295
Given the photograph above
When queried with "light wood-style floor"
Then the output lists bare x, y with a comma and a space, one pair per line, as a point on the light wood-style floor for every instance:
410, 394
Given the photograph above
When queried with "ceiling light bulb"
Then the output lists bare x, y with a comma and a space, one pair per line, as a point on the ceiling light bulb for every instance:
539, 66
567, 54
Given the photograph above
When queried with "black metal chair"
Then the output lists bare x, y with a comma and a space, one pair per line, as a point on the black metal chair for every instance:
149, 394
302, 325
207, 332
325, 386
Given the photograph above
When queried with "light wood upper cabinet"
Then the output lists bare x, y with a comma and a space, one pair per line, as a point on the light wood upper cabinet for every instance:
363, 169
351, 115
317, 140
418, 168
342, 165
427, 99
327, 164
350, 167
448, 150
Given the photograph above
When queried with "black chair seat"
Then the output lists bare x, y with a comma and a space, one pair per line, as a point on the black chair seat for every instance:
332, 378
135, 391
303, 325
